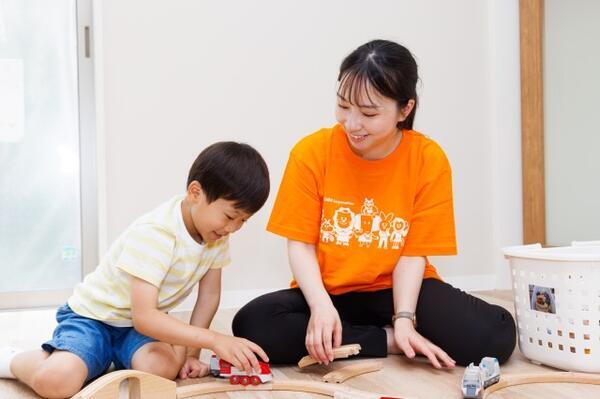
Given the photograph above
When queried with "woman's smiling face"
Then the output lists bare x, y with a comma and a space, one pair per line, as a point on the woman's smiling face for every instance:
369, 120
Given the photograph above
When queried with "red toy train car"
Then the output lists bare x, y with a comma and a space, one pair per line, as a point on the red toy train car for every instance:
221, 368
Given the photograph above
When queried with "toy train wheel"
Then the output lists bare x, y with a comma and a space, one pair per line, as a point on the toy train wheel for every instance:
234, 380
214, 373
254, 380
244, 381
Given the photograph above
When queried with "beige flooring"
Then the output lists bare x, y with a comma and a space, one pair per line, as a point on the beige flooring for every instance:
399, 376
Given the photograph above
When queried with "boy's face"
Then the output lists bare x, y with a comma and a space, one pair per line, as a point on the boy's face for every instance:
210, 221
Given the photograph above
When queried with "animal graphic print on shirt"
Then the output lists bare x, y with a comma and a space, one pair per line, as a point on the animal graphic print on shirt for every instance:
367, 228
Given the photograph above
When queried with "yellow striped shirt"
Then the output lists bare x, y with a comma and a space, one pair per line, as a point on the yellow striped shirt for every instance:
156, 248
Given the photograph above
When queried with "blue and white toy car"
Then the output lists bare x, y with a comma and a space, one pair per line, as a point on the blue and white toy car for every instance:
472, 382
491, 371
477, 378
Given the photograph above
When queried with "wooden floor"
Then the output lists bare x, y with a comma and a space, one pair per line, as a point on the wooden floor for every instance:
399, 376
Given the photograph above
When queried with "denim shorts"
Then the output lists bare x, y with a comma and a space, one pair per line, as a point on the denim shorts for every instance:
96, 343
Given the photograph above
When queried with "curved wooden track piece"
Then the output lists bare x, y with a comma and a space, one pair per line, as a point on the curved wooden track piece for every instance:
207, 388
147, 386
352, 370
338, 353
558, 377
322, 388
141, 386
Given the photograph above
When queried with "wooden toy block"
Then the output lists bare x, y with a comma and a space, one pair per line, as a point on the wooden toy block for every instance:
338, 353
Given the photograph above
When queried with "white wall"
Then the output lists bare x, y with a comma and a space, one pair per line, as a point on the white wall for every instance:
176, 76
505, 129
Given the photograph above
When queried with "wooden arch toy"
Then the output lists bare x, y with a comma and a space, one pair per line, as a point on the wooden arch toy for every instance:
558, 377
147, 386
141, 386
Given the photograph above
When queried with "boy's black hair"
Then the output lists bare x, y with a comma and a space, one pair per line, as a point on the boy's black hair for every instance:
387, 67
232, 171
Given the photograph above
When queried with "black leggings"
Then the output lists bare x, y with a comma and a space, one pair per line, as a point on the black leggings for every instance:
465, 327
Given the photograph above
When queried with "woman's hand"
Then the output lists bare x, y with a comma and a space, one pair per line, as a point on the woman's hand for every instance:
193, 368
324, 332
411, 342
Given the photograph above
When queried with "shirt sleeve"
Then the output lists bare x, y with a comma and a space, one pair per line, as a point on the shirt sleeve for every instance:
147, 253
431, 229
297, 210
223, 257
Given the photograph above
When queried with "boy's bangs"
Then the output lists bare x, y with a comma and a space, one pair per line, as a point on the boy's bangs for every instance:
355, 86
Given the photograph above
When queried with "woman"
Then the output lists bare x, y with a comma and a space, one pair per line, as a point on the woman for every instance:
362, 205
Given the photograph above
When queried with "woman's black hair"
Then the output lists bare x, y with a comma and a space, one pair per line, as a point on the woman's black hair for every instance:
387, 67
232, 171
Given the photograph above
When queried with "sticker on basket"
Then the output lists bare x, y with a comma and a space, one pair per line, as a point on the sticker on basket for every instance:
542, 299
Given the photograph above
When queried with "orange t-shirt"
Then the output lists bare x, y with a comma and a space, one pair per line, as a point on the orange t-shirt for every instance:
362, 215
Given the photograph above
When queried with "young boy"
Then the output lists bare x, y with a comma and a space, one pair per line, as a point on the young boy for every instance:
119, 313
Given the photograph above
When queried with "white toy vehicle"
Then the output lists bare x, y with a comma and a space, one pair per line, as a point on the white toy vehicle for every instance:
491, 371
477, 378
472, 382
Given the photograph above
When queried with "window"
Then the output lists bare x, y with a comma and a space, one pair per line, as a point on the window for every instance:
48, 216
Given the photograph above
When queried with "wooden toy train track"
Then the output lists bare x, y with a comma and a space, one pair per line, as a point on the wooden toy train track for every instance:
147, 386
538, 378
338, 353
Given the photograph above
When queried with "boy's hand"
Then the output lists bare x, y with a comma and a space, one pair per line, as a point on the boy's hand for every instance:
239, 351
193, 368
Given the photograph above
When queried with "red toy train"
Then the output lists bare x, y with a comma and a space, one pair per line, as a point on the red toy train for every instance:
221, 368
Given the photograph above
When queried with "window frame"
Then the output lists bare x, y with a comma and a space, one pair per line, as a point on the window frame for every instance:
531, 19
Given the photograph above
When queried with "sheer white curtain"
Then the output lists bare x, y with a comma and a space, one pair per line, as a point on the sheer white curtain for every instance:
40, 200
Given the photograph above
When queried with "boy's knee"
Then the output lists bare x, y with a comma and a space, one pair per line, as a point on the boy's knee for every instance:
54, 382
164, 370
160, 360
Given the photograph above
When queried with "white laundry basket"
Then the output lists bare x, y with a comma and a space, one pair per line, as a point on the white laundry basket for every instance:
557, 304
